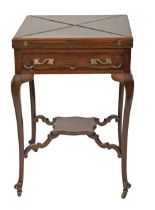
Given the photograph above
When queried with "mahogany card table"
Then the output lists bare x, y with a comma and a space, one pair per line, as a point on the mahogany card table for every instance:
99, 44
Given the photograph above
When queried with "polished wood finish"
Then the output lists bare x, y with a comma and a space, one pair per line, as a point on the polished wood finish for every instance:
73, 45
127, 81
17, 81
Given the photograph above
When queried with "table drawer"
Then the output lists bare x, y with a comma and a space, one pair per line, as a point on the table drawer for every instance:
70, 63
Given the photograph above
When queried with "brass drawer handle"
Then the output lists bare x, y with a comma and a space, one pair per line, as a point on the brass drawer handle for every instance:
36, 61
49, 61
96, 61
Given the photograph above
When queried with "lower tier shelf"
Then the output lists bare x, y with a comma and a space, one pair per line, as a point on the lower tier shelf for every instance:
73, 126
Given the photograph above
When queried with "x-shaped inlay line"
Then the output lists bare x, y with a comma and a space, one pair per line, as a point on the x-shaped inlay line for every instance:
69, 25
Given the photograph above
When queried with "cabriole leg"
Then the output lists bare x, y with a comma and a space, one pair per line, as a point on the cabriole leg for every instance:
128, 83
15, 87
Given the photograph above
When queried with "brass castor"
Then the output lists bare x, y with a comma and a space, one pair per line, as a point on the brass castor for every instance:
18, 187
126, 185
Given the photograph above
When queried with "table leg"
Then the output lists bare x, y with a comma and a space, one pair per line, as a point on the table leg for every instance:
120, 107
15, 87
33, 112
127, 81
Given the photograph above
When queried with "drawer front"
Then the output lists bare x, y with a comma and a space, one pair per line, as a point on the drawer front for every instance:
73, 63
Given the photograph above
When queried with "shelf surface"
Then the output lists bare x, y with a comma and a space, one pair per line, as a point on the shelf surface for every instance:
74, 125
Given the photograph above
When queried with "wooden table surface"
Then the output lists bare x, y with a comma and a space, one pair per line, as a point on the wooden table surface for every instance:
94, 28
